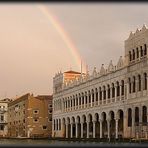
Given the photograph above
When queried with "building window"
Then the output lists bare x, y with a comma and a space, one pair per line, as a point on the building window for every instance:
2, 118
35, 111
130, 56
49, 111
36, 120
133, 54
50, 119
1, 127
145, 49
134, 84
137, 52
145, 81
141, 51
44, 127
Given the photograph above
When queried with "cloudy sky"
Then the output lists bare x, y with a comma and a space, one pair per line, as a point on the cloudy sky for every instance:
32, 50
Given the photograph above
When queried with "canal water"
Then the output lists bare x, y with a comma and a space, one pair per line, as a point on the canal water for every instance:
47, 142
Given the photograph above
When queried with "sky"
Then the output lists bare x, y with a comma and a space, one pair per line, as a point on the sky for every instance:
35, 45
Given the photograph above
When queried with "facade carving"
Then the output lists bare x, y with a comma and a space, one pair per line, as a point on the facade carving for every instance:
109, 103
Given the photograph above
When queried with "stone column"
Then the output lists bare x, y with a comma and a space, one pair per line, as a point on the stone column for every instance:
127, 91
120, 91
66, 130
147, 81
78, 102
94, 98
91, 99
71, 130
81, 129
94, 129
133, 122
76, 129
110, 93
136, 85
87, 129
106, 94
70, 103
100, 128
116, 128
84, 101
115, 92
108, 128
98, 97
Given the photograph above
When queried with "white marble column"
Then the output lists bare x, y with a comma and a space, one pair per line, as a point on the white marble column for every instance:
110, 93
84, 101
116, 128
115, 93
120, 91
100, 128
81, 129
106, 94
108, 128
76, 130
91, 99
70, 103
87, 129
66, 130
78, 103
98, 97
94, 98
71, 130
94, 129
127, 91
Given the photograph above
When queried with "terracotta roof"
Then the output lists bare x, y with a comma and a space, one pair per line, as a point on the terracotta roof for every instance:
74, 72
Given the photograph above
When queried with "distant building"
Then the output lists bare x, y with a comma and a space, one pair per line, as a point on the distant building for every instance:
30, 116
109, 103
4, 117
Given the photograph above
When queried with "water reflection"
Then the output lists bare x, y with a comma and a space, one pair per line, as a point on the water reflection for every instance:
48, 142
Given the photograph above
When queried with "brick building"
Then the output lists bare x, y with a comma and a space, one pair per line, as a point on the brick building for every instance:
30, 116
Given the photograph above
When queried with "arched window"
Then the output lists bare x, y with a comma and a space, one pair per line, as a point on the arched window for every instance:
129, 117
118, 89
130, 56
82, 98
71, 102
137, 50
133, 54
134, 83
89, 97
76, 100
129, 79
86, 97
104, 93
59, 124
113, 90
74, 103
108, 91
96, 94
122, 87
100, 91
141, 50
145, 49
137, 116
139, 83
144, 115
54, 125
92, 95
79, 99
145, 81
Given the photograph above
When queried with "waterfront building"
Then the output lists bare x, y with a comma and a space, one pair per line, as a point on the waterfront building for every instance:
30, 116
4, 117
109, 103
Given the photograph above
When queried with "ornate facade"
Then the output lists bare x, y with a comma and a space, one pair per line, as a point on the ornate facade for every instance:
109, 103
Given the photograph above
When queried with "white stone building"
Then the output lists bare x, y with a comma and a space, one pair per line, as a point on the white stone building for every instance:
109, 103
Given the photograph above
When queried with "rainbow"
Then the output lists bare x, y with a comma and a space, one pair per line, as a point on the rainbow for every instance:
61, 31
